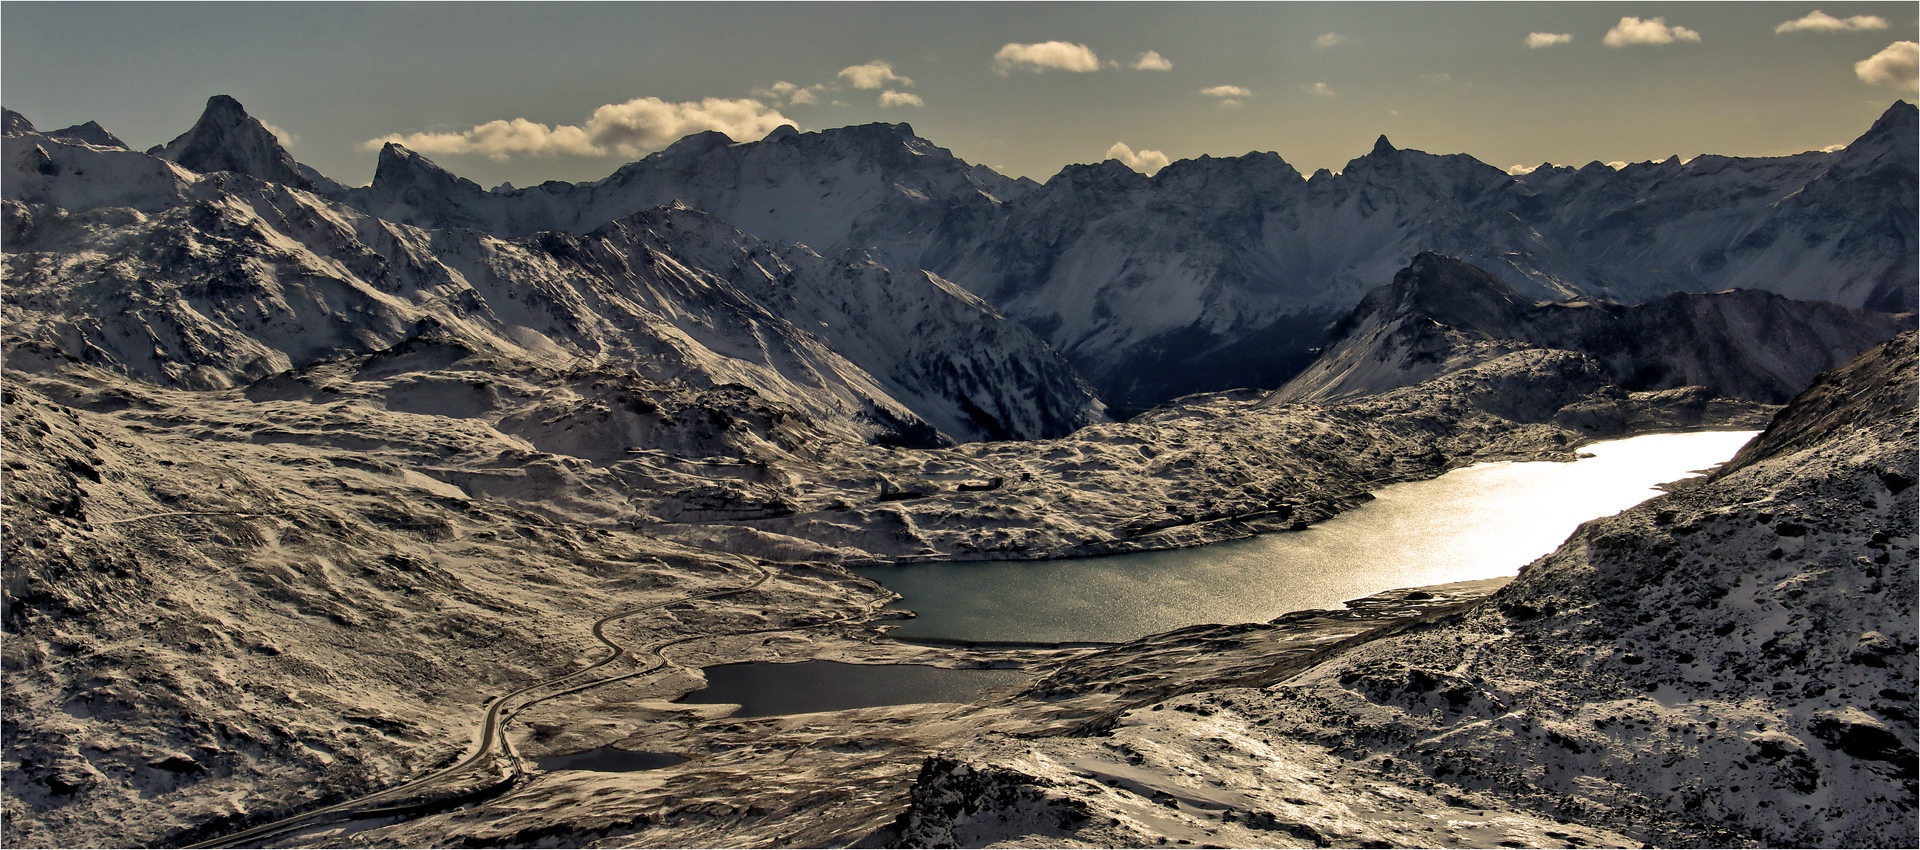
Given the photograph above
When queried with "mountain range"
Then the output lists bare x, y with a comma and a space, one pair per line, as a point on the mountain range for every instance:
1221, 272
1215, 272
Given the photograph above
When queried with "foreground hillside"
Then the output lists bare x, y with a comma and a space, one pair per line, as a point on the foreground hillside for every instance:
1731, 664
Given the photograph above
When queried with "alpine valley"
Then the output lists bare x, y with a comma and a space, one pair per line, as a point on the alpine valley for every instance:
332, 513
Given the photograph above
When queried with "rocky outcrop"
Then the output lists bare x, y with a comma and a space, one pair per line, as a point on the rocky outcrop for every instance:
1442, 314
226, 138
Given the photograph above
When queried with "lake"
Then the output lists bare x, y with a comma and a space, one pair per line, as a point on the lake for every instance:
1483, 521
763, 688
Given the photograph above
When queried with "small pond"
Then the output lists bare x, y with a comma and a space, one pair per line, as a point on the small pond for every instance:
609, 760
764, 689
1480, 522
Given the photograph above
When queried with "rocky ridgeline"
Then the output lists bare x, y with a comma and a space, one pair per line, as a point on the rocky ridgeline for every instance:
1731, 664
1215, 272
206, 280
1442, 315
1223, 272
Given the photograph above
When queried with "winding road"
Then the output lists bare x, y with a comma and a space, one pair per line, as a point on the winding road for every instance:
492, 740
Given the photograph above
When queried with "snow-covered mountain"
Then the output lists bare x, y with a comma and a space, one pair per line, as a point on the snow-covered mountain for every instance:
1442, 315
226, 138
210, 279
873, 187
1223, 272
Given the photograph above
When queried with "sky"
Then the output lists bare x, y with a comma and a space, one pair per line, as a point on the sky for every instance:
555, 91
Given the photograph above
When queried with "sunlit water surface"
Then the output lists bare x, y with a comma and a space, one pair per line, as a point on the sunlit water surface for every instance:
1485, 521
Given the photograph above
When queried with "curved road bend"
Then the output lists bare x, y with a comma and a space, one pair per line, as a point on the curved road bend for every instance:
492, 727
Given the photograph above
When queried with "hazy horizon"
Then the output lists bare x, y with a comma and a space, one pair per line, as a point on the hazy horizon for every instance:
533, 92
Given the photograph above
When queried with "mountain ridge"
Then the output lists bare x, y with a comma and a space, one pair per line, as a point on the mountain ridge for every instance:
1442, 314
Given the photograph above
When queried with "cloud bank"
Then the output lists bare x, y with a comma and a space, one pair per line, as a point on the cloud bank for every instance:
1632, 30
1229, 96
1818, 21
1152, 61
630, 129
1046, 56
1144, 161
1897, 66
287, 139
890, 98
1537, 40
873, 75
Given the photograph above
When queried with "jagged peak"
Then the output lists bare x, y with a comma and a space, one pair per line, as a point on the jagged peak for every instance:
1249, 164
1381, 146
1448, 289
1109, 172
400, 165
14, 124
89, 133
226, 138
1899, 124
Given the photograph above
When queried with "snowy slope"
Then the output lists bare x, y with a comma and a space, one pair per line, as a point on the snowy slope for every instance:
875, 186
131, 261
1441, 315
1222, 272
226, 138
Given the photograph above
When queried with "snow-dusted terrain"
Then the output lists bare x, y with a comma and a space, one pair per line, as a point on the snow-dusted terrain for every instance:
1731, 664
1221, 272
1441, 315
301, 479
208, 280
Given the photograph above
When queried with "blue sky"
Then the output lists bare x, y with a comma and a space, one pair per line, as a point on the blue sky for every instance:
571, 91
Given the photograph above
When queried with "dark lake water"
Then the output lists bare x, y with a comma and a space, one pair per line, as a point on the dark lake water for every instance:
1480, 522
764, 689
609, 760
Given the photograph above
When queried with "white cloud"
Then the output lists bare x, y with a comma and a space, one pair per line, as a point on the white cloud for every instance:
790, 93
1226, 91
500, 140
1152, 61
873, 75
777, 90
1537, 40
1332, 39
631, 128
900, 98
1044, 56
1833, 148
1819, 21
1617, 164
1144, 161
1897, 66
287, 139
1319, 89
1518, 170
1632, 30
649, 123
